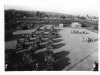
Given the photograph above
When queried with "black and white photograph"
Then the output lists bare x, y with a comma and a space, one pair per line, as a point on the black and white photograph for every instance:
51, 35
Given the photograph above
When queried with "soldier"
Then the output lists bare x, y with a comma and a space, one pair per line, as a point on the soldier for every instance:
49, 58
77, 32
28, 38
50, 39
37, 66
50, 36
83, 39
18, 44
55, 34
42, 33
88, 39
95, 66
44, 29
18, 41
23, 35
84, 32
32, 35
38, 28
38, 42
50, 66
26, 59
23, 44
49, 42
40, 36
31, 50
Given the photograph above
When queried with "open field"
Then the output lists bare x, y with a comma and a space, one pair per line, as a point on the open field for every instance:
70, 52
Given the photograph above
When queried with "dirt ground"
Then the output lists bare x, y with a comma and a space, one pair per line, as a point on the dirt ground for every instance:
81, 54
70, 52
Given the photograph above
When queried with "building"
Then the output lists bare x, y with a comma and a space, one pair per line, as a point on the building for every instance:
76, 24
61, 25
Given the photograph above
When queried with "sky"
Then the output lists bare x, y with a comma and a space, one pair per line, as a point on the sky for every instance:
73, 7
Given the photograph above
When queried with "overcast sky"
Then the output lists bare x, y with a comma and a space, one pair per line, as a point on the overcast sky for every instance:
74, 7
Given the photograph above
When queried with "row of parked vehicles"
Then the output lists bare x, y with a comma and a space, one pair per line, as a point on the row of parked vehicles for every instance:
35, 40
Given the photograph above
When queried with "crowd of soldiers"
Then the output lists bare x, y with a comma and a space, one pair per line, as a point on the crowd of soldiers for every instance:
79, 32
30, 51
88, 39
84, 39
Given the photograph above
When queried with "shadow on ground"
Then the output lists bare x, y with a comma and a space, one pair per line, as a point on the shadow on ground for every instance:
42, 46
60, 65
58, 36
58, 30
58, 40
60, 55
14, 37
61, 61
44, 40
56, 46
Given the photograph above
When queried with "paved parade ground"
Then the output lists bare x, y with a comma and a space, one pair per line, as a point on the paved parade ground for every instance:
70, 52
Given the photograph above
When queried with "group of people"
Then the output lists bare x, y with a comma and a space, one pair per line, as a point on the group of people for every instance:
79, 32
88, 39
84, 39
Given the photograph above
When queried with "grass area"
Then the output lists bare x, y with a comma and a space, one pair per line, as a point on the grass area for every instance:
93, 29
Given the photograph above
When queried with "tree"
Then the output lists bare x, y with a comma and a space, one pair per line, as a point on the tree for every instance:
38, 14
63, 17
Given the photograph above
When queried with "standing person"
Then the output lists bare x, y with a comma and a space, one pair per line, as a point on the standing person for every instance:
28, 38
23, 35
32, 51
38, 41
95, 66
18, 41
87, 39
32, 35
37, 66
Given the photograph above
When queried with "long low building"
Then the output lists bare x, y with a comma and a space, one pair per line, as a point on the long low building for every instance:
76, 24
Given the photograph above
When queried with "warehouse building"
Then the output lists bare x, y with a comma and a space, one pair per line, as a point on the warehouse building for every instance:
76, 24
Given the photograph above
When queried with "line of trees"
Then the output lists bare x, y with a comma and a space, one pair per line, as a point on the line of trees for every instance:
15, 14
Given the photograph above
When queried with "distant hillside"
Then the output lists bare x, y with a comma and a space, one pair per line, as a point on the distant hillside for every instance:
15, 17
54, 13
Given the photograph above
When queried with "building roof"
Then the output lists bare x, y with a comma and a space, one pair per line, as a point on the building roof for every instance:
75, 23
